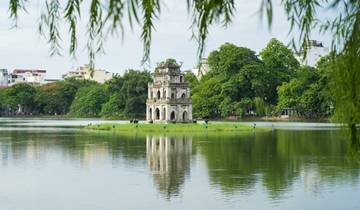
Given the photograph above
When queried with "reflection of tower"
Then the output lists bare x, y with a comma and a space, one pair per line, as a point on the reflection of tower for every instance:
312, 180
169, 161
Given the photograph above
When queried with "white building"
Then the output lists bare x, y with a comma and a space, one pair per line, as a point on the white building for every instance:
169, 95
4, 78
31, 76
314, 53
84, 72
201, 69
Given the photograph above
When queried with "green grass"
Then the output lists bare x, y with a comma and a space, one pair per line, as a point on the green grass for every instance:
176, 128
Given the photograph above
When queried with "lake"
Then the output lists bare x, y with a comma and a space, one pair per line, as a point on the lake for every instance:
54, 165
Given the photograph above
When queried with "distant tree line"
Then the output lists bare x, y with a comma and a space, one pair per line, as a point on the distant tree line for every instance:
121, 97
239, 84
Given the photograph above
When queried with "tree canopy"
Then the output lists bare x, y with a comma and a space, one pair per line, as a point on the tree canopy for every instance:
236, 75
122, 97
281, 65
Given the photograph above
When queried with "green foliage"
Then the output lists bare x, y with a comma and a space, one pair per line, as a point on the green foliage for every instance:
244, 106
56, 98
111, 108
2, 97
191, 78
346, 90
261, 107
120, 98
308, 92
206, 97
88, 101
128, 95
22, 95
50, 99
281, 65
178, 128
236, 73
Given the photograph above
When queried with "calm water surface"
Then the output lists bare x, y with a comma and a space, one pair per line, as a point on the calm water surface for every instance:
52, 165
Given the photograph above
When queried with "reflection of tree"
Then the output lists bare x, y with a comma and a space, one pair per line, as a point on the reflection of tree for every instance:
169, 161
277, 159
81, 148
236, 163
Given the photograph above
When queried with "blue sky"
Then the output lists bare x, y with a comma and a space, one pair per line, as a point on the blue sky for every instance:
24, 48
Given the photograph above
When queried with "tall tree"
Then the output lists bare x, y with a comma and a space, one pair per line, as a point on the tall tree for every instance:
281, 64
236, 73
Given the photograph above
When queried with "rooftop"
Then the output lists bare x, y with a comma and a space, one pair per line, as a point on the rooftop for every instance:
21, 71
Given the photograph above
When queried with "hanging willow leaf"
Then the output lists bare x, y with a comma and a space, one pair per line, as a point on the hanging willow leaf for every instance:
14, 7
71, 15
95, 25
206, 13
115, 15
301, 14
151, 9
49, 25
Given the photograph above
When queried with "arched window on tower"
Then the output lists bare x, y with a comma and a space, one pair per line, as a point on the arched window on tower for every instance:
157, 114
185, 116
150, 114
158, 94
172, 115
183, 95
181, 79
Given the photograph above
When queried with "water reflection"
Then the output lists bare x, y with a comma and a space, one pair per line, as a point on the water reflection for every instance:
169, 162
278, 167
279, 161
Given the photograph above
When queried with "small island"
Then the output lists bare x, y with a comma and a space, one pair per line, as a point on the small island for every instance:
177, 128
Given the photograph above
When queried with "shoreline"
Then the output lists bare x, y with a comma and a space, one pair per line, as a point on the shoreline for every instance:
247, 119
176, 128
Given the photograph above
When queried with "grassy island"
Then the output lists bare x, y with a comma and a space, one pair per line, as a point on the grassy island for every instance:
164, 128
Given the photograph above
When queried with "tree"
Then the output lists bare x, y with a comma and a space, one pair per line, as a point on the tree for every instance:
57, 97
206, 97
51, 100
112, 109
2, 100
128, 94
20, 98
191, 78
236, 73
308, 93
88, 101
281, 64
346, 89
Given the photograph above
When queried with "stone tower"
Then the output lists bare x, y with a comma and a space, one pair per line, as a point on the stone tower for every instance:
169, 95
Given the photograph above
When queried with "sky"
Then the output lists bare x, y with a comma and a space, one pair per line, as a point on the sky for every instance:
22, 47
